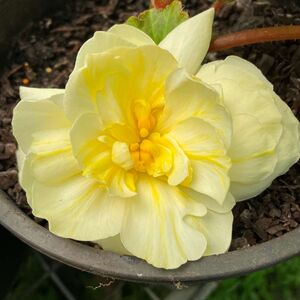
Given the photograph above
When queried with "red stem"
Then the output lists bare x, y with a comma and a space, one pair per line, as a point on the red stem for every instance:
217, 5
160, 4
255, 36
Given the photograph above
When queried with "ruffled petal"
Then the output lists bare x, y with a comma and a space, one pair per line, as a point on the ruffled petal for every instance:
264, 129
51, 158
25, 173
154, 228
217, 229
244, 91
209, 163
32, 94
189, 41
288, 149
113, 244
78, 208
198, 139
112, 81
210, 178
131, 34
180, 168
101, 41
43, 117
195, 99
253, 150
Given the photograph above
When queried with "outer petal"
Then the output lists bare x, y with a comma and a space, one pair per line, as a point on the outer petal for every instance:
198, 139
101, 41
216, 225
288, 150
190, 41
113, 244
239, 84
285, 159
51, 158
195, 99
207, 153
210, 179
42, 132
78, 208
37, 116
31, 94
253, 150
111, 81
210, 203
131, 34
260, 152
154, 228
25, 173
217, 229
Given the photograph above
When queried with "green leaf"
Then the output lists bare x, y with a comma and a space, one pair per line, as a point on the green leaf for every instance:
157, 23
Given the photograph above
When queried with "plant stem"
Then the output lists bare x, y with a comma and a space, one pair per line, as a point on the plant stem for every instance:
160, 4
255, 36
217, 5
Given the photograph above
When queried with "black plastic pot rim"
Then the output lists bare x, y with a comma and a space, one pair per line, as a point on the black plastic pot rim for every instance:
108, 264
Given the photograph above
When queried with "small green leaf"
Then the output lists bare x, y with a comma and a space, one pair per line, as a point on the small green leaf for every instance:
157, 23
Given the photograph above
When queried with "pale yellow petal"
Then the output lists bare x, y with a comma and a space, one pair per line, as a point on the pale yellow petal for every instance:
211, 178
25, 173
210, 203
92, 148
101, 41
287, 153
245, 91
131, 34
37, 94
265, 130
121, 156
244, 191
112, 81
122, 184
245, 142
195, 99
253, 150
113, 244
54, 167
180, 169
288, 149
34, 116
198, 139
217, 229
154, 228
50, 158
190, 40
84, 134
79, 209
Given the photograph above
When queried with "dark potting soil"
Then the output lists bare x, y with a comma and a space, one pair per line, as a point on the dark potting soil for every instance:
44, 55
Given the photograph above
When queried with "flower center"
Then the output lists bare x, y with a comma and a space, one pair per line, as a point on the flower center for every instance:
143, 154
145, 116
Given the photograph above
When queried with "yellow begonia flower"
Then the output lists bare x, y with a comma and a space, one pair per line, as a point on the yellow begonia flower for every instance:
134, 153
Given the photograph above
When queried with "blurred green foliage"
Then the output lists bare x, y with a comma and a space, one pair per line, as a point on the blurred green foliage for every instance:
32, 282
281, 282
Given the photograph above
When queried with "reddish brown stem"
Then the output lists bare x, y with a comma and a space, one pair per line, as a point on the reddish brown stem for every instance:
255, 36
160, 4
217, 5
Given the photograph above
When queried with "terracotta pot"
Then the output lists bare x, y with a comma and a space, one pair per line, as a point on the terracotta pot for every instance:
109, 264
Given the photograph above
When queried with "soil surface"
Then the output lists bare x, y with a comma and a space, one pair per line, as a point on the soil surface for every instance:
44, 55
